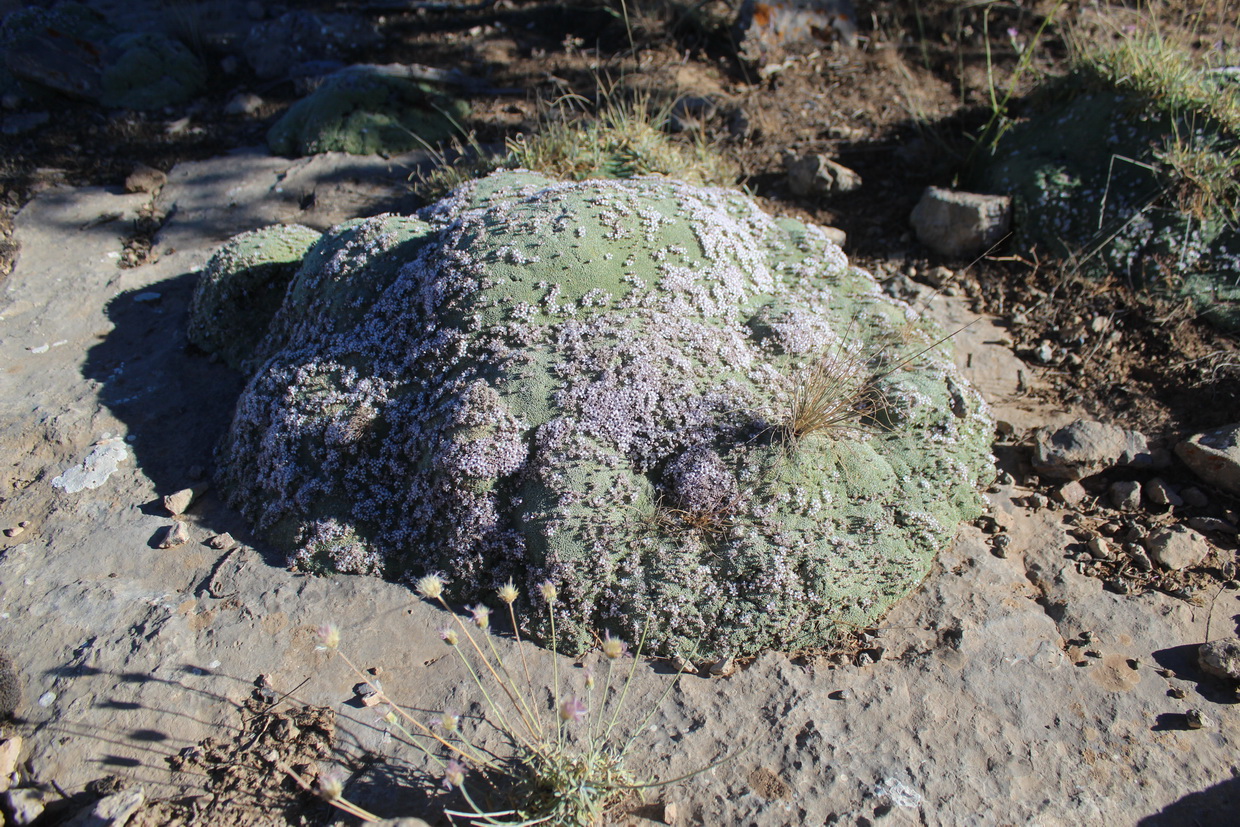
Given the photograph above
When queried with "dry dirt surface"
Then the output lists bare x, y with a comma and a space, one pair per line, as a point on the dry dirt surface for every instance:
1029, 680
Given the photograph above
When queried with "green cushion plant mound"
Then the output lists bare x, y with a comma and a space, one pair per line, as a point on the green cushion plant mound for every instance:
362, 111
589, 384
242, 287
1130, 168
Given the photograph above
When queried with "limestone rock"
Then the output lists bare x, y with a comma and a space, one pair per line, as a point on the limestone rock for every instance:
1085, 448
25, 804
1177, 547
961, 223
1221, 658
1126, 495
571, 381
10, 752
174, 535
110, 811
1215, 457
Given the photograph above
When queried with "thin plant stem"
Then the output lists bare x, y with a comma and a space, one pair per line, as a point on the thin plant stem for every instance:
525, 711
627, 683
485, 662
529, 683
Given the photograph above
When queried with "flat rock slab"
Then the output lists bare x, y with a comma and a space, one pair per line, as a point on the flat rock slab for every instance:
1215, 457
985, 707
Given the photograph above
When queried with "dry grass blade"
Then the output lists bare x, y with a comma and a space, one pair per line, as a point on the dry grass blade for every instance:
829, 393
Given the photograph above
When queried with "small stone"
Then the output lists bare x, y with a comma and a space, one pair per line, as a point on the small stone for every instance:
1038, 501
367, 694
1165, 673
671, 812
244, 105
1196, 719
723, 667
25, 805
1208, 524
841, 695
1126, 495
1140, 559
960, 223
1177, 547
179, 502
1117, 585
1177, 693
221, 541
1214, 456
1000, 545
1221, 658
10, 751
1195, 497
1100, 549
1084, 448
114, 809
15, 531
1159, 492
145, 179
174, 535
683, 665
1071, 493
1045, 352
819, 175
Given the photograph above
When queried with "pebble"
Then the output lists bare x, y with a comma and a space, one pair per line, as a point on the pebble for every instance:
10, 751
1221, 658
367, 694
1000, 545
179, 502
244, 104
25, 805
1126, 495
1071, 493
723, 667
841, 695
671, 812
683, 665
174, 535
1196, 719
1177, 547
1140, 559
1045, 352
17, 530
144, 178
1038, 501
1100, 549
221, 541
1159, 492
1207, 524
1195, 497
1177, 693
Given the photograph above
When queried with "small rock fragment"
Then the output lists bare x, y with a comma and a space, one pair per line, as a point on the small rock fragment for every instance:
1177, 547
1221, 658
1126, 495
178, 503
221, 541
1140, 559
1159, 492
1195, 497
145, 179
1196, 719
1177, 693
1000, 545
244, 105
367, 694
174, 535
819, 175
1071, 493
10, 751
960, 223
1100, 549
1214, 456
1208, 524
25, 805
671, 812
15, 531
114, 810
723, 667
1085, 448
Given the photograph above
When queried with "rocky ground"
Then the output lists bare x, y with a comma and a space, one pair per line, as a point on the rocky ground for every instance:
1046, 672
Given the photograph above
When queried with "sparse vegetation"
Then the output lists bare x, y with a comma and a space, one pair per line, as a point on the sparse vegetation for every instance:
566, 764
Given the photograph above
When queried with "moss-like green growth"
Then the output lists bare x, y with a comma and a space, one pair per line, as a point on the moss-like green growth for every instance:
363, 112
586, 383
1131, 168
149, 71
241, 288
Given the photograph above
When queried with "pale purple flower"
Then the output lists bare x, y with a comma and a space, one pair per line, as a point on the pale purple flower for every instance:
453, 774
573, 709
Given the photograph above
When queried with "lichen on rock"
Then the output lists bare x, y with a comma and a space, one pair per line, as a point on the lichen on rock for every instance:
544, 380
